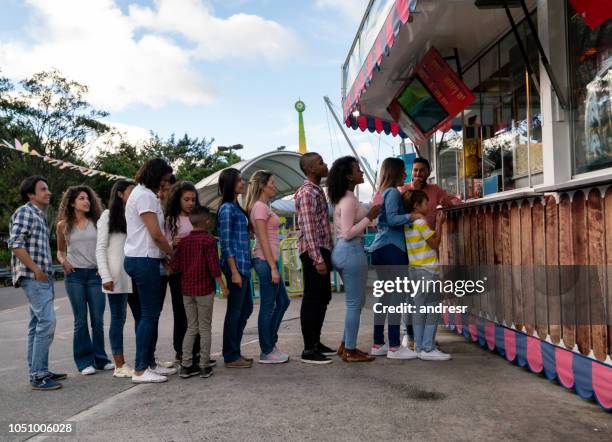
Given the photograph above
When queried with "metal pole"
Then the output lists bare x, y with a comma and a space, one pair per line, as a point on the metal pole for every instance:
363, 166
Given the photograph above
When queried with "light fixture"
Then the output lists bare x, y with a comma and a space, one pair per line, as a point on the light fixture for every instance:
356, 113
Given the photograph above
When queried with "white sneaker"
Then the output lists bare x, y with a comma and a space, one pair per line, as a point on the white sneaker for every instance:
148, 376
88, 371
379, 350
434, 355
123, 372
167, 364
109, 366
274, 357
163, 371
401, 353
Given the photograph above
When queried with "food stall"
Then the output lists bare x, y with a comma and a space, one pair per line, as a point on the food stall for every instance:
511, 101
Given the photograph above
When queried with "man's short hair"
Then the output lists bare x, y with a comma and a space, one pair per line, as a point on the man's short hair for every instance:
28, 186
198, 214
306, 159
424, 161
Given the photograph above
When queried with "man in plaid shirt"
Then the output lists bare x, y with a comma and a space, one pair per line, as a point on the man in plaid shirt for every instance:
31, 268
315, 245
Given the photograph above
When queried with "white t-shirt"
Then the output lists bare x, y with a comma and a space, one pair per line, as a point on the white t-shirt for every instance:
139, 243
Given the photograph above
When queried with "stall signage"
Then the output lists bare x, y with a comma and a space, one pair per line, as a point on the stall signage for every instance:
430, 99
594, 12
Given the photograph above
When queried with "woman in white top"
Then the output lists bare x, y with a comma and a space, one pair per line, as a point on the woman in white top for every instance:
115, 282
145, 248
348, 257
76, 250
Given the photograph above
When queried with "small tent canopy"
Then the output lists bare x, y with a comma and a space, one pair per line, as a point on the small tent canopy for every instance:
283, 164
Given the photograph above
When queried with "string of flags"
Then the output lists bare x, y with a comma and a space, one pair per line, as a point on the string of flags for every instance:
60, 164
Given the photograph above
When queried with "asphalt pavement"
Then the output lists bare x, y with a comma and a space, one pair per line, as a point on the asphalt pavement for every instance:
475, 396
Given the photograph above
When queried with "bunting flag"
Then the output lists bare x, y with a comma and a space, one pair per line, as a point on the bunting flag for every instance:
589, 378
62, 165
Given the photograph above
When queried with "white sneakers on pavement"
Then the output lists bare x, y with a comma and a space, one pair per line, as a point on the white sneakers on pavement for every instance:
123, 372
434, 355
109, 366
400, 352
163, 371
87, 371
148, 377
379, 350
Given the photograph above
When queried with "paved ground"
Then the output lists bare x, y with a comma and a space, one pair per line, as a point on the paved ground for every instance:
476, 396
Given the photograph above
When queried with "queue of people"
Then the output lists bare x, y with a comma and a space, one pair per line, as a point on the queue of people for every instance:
155, 234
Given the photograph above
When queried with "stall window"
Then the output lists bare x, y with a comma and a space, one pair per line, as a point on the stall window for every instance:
502, 130
590, 62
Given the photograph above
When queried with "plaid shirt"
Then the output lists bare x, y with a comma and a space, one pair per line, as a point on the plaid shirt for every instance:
29, 231
313, 221
233, 227
196, 258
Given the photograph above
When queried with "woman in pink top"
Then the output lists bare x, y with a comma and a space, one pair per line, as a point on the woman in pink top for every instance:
349, 258
181, 199
273, 295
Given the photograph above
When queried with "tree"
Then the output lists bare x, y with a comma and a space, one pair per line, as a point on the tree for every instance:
50, 113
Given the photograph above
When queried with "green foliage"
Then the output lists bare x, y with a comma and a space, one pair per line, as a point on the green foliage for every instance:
51, 114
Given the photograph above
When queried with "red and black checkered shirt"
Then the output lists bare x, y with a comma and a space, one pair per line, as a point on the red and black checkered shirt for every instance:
197, 260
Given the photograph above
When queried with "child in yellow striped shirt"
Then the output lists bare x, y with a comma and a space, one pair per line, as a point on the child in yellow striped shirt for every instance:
422, 246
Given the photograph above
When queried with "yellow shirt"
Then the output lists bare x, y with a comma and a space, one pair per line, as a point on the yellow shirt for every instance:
420, 254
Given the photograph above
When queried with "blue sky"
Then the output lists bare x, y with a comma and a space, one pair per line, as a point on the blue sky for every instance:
228, 69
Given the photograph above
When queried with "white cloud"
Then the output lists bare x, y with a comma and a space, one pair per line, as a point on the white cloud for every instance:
352, 9
241, 36
137, 58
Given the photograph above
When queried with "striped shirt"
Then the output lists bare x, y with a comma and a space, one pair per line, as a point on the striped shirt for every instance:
420, 254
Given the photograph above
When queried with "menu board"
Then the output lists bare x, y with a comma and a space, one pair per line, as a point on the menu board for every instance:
430, 99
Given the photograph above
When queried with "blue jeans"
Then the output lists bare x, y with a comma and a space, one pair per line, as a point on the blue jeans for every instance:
118, 303
273, 304
350, 260
84, 289
146, 278
239, 308
42, 324
425, 325
388, 255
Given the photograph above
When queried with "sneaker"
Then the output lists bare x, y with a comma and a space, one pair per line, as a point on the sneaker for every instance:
325, 350
379, 350
206, 372
109, 366
44, 384
57, 376
212, 362
315, 357
166, 364
123, 372
88, 371
401, 353
238, 363
244, 358
187, 372
274, 357
434, 355
164, 371
148, 377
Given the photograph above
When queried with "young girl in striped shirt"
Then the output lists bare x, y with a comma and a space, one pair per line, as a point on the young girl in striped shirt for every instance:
422, 246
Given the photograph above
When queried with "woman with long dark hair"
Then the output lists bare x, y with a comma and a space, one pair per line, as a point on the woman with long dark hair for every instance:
233, 229
115, 282
389, 256
145, 247
273, 294
78, 214
348, 257
179, 202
